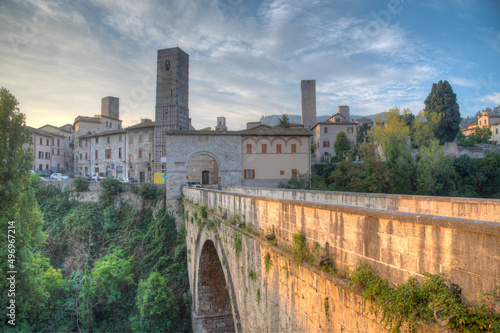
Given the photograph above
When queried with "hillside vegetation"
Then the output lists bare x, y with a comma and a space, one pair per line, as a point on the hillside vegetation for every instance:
107, 269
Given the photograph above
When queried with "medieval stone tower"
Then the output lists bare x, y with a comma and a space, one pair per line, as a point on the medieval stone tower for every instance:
172, 105
110, 107
308, 100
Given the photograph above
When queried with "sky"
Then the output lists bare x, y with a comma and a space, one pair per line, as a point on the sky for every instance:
60, 58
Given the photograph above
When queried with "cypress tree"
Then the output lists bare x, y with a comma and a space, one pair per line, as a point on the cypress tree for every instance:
442, 103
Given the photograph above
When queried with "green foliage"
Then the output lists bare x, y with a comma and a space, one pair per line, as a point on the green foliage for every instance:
299, 249
108, 292
362, 133
268, 262
395, 142
237, 244
432, 169
442, 103
258, 296
155, 301
479, 135
284, 122
148, 191
252, 275
301, 182
81, 232
342, 145
15, 161
80, 183
413, 303
110, 187
326, 305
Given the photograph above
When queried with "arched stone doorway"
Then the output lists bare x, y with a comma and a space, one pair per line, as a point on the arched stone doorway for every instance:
204, 169
212, 296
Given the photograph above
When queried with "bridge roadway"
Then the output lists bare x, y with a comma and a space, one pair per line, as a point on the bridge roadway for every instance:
241, 283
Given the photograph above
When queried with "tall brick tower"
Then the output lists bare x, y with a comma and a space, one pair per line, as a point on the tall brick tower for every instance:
172, 102
308, 101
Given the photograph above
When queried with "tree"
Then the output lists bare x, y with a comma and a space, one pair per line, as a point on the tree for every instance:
394, 139
284, 122
362, 135
432, 169
342, 144
15, 161
442, 101
156, 304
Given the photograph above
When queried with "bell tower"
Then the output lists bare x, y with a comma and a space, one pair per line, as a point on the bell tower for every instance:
172, 101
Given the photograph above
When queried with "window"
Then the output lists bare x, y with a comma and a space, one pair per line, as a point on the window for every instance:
337, 120
47, 142
282, 172
106, 124
107, 153
40, 167
325, 129
97, 154
57, 143
264, 148
40, 143
350, 130
140, 153
249, 173
40, 154
326, 143
278, 148
119, 138
130, 157
496, 131
96, 140
107, 139
76, 158
86, 156
120, 152
294, 173
150, 135
249, 148
80, 155
294, 148
47, 156
110, 125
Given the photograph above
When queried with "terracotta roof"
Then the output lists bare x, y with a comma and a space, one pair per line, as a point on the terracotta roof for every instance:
44, 133
102, 133
259, 130
141, 125
334, 123
55, 127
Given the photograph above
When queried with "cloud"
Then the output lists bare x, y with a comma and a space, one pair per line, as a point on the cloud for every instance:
493, 98
246, 59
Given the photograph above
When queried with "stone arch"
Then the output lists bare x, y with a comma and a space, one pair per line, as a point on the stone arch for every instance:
211, 278
201, 163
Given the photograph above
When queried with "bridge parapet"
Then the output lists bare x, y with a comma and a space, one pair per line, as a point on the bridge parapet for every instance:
397, 245
466, 208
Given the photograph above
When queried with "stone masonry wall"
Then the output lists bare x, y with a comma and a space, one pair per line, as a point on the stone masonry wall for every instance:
397, 245
469, 208
289, 297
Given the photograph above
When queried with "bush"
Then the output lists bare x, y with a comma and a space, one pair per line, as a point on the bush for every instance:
109, 188
81, 184
148, 191
155, 301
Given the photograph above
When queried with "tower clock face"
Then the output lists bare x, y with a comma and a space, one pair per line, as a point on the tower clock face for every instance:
167, 65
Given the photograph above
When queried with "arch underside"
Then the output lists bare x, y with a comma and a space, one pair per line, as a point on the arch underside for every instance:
212, 308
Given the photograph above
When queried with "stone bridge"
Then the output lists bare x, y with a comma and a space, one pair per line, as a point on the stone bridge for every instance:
242, 283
